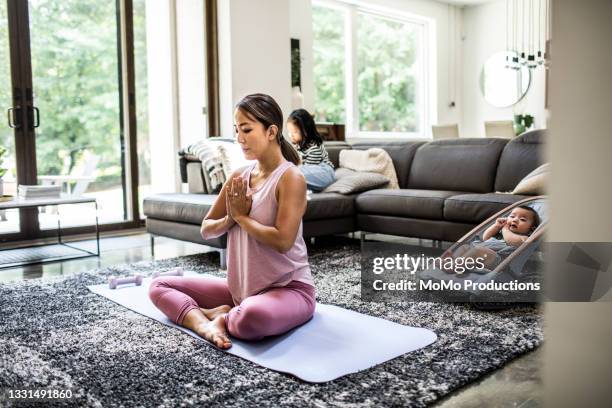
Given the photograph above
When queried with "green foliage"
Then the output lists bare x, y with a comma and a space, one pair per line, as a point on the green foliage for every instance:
6, 133
142, 92
3, 170
386, 63
75, 76
522, 123
386, 54
328, 51
76, 84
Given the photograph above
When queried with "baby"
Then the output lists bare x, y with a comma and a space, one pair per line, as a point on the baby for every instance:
502, 238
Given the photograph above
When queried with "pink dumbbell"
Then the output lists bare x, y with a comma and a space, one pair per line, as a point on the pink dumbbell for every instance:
113, 281
172, 272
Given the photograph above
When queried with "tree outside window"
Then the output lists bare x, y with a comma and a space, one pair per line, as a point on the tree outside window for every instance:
387, 90
328, 50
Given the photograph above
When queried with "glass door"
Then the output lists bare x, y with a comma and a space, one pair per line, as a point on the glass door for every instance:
7, 137
62, 76
11, 127
76, 80
61, 87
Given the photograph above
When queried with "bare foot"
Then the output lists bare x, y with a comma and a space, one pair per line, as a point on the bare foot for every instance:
215, 332
211, 314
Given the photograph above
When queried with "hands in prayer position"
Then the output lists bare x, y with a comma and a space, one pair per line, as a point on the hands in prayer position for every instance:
238, 201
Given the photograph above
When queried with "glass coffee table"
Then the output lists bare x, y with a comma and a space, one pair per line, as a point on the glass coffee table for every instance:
48, 252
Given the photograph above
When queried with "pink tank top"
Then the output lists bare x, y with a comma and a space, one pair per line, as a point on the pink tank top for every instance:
252, 266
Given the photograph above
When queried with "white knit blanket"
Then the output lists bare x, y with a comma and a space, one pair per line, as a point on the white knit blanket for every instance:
219, 160
373, 160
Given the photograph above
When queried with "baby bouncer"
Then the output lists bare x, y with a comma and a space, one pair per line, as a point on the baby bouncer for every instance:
524, 265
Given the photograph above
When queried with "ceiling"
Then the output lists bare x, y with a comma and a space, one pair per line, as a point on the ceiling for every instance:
465, 2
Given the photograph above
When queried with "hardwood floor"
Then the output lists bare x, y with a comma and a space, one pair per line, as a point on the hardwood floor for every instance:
113, 251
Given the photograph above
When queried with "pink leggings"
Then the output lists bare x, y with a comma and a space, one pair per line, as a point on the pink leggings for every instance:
271, 312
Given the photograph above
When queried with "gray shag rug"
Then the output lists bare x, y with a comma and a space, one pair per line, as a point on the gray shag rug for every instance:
57, 334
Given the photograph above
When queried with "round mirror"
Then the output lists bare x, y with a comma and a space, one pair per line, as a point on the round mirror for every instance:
501, 85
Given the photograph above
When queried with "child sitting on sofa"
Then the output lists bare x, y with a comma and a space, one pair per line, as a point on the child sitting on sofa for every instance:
501, 238
318, 170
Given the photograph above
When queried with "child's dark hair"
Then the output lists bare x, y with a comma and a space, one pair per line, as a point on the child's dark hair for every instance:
536, 217
305, 122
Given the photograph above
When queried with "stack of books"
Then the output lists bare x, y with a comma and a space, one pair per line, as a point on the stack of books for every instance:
34, 192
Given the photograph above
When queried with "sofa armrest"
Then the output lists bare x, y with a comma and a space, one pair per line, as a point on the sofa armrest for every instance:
195, 178
191, 173
183, 169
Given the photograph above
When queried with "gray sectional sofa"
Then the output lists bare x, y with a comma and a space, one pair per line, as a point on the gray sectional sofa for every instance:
446, 188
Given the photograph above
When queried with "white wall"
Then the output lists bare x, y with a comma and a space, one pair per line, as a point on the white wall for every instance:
300, 27
255, 54
577, 354
447, 58
484, 34
176, 78
254, 41
226, 94
162, 86
191, 70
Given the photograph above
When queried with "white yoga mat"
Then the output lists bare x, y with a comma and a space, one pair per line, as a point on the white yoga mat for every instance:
334, 343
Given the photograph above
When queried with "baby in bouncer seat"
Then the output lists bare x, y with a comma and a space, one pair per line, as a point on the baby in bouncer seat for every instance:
501, 238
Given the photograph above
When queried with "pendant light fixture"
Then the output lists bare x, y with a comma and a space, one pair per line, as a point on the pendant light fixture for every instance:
527, 31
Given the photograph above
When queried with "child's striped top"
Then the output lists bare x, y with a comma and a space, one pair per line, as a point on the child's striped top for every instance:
315, 154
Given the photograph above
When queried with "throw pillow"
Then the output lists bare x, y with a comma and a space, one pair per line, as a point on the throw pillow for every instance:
374, 160
220, 158
356, 182
534, 183
233, 156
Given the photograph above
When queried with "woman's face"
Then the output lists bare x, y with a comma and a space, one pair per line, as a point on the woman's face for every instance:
251, 135
294, 132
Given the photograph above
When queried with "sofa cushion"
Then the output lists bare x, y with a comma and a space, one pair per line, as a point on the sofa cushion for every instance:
329, 205
349, 181
192, 208
404, 203
401, 152
179, 207
373, 160
535, 182
521, 156
333, 150
456, 165
475, 208
413, 227
183, 232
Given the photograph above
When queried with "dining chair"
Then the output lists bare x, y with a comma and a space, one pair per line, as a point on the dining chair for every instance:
500, 128
445, 131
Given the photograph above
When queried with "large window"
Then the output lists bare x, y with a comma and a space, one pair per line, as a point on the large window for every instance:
76, 88
369, 70
99, 95
328, 45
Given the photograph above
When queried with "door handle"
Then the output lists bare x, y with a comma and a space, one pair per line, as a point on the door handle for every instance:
33, 117
10, 116
36, 117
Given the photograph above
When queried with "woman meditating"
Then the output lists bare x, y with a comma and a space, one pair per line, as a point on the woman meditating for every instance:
269, 289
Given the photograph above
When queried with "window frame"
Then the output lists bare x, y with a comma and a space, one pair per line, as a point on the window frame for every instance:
19, 26
425, 64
